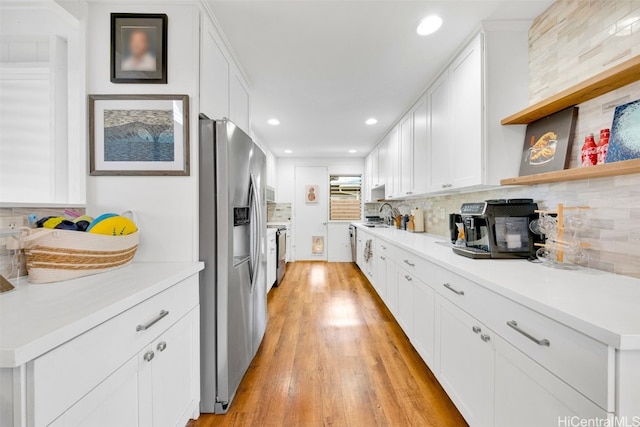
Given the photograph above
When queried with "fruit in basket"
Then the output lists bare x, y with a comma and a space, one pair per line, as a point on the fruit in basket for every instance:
114, 225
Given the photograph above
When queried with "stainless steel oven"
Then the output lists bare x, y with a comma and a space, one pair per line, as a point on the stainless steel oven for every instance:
281, 245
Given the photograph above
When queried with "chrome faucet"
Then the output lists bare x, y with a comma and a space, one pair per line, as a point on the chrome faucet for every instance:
385, 204
387, 218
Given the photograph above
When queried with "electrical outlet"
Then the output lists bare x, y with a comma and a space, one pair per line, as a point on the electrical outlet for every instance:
10, 223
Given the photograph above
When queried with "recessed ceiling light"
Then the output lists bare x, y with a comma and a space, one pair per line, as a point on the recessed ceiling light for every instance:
429, 25
288, 151
353, 151
371, 121
273, 122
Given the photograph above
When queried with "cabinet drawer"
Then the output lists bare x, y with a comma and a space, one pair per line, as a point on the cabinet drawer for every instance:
410, 262
63, 376
585, 364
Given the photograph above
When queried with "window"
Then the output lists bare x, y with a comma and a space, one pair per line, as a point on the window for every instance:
345, 201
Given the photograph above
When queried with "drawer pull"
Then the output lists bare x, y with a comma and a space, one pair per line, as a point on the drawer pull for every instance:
476, 329
410, 264
383, 247
452, 289
162, 346
148, 356
382, 258
150, 323
485, 337
513, 324
406, 276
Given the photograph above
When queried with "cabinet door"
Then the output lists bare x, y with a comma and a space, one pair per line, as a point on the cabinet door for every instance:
381, 276
406, 156
175, 373
420, 148
375, 168
423, 320
114, 402
393, 167
383, 150
368, 177
405, 301
360, 250
214, 75
466, 96
440, 138
239, 105
465, 359
528, 395
392, 289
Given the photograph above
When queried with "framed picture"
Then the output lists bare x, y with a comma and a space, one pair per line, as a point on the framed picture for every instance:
311, 193
547, 143
625, 133
138, 48
139, 134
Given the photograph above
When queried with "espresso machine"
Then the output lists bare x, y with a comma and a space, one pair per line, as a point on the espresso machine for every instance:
498, 229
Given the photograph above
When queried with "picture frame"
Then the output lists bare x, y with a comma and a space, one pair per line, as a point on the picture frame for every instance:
139, 135
139, 48
548, 142
311, 193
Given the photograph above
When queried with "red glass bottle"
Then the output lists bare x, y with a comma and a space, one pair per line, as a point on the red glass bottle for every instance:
589, 151
603, 145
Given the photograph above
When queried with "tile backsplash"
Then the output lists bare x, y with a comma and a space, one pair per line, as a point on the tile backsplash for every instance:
576, 39
278, 212
614, 232
12, 262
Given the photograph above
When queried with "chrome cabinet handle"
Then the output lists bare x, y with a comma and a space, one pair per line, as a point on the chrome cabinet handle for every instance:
406, 261
150, 323
476, 329
406, 276
148, 356
452, 289
514, 325
382, 258
409, 192
383, 247
162, 346
485, 337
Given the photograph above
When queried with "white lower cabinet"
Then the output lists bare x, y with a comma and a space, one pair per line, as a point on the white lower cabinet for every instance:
157, 387
502, 363
465, 362
528, 395
424, 320
139, 368
405, 301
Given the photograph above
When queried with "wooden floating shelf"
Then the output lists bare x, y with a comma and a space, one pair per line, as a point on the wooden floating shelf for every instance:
607, 81
626, 167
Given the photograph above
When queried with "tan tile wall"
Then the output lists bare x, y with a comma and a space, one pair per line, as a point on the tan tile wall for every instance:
576, 39
571, 41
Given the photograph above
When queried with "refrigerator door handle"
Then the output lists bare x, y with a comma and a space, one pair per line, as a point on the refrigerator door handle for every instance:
255, 233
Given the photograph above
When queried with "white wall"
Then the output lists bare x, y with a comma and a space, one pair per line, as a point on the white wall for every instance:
338, 248
167, 207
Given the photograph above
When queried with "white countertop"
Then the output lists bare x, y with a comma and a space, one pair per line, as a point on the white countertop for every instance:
35, 318
602, 305
279, 224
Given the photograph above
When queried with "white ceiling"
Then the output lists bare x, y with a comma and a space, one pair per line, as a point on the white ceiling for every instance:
323, 67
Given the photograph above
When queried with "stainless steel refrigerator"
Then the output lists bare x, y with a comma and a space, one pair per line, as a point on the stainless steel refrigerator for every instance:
233, 302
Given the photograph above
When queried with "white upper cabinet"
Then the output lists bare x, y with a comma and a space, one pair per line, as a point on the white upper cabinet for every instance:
419, 116
441, 152
239, 104
406, 156
466, 115
214, 75
392, 184
452, 139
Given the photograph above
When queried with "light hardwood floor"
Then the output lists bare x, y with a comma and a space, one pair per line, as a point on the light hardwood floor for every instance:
334, 356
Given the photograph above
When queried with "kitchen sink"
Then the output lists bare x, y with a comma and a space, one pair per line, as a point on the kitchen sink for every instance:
376, 225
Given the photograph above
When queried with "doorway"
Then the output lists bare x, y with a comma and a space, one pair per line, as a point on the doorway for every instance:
311, 213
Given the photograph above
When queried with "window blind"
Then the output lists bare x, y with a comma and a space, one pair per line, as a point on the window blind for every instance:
345, 201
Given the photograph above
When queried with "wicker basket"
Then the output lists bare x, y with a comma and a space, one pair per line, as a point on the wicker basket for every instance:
55, 255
